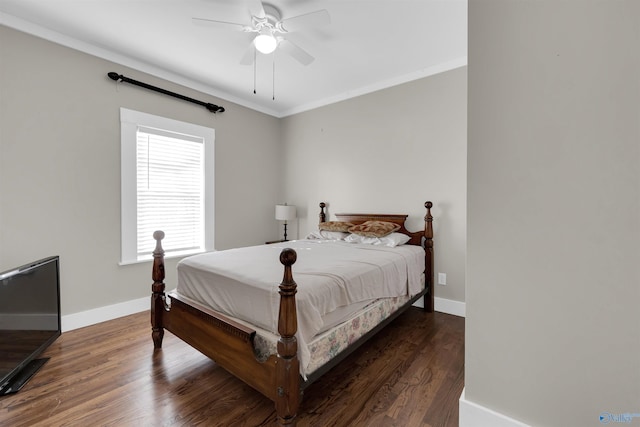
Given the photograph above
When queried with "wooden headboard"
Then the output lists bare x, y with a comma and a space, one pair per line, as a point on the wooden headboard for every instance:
416, 237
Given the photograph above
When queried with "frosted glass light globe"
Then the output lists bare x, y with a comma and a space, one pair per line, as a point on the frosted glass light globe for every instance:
265, 43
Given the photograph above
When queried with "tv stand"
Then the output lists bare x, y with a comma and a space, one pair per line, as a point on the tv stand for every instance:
21, 378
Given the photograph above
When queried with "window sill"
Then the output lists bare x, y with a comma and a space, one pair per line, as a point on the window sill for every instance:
167, 255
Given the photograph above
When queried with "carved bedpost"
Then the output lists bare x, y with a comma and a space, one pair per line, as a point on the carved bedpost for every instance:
287, 364
428, 247
323, 217
157, 289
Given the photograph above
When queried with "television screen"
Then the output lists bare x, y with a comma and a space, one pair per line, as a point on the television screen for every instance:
29, 319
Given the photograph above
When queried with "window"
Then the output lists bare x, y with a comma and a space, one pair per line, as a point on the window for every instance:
167, 184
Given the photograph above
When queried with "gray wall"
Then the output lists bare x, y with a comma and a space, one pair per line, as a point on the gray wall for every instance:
60, 167
388, 152
553, 283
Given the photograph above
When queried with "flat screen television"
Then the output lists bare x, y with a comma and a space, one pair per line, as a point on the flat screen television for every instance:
29, 320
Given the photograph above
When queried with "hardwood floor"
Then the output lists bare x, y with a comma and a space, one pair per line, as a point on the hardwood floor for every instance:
410, 374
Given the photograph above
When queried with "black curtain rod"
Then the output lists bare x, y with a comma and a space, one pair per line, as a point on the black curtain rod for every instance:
211, 107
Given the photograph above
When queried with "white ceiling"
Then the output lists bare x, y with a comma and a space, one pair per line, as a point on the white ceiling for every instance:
369, 44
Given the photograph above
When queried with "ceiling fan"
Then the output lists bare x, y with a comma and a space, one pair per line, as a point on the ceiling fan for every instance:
271, 30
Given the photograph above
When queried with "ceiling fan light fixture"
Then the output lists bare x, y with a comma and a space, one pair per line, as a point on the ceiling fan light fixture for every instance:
265, 42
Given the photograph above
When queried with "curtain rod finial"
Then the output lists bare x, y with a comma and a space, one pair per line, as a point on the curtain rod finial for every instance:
214, 108
114, 76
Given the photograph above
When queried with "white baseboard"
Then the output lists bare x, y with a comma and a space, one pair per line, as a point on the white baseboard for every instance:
449, 306
102, 314
474, 415
442, 305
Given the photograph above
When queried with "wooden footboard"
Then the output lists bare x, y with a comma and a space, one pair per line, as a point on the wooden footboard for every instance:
229, 343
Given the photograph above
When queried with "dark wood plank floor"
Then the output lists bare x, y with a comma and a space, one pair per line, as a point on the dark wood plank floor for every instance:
410, 374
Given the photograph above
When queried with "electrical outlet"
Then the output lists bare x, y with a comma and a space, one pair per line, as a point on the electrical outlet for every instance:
442, 278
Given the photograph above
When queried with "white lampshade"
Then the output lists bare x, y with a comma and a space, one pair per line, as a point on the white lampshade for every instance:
265, 42
285, 212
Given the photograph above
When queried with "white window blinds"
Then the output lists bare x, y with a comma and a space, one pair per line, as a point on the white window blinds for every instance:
167, 184
170, 190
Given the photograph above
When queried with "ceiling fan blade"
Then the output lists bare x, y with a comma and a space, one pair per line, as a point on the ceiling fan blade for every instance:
223, 25
296, 52
256, 9
249, 55
311, 19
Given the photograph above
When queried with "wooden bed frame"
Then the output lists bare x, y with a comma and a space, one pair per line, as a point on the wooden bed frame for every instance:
230, 344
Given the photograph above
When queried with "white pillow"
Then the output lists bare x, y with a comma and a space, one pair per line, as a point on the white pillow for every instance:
391, 240
326, 235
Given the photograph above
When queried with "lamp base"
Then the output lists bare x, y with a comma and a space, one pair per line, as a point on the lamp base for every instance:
274, 241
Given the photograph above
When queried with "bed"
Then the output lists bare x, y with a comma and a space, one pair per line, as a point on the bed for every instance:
272, 355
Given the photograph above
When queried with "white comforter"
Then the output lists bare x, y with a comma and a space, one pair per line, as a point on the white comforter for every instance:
244, 282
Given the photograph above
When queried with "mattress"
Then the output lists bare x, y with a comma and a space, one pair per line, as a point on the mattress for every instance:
335, 280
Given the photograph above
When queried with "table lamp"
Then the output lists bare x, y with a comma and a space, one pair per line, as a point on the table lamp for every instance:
285, 213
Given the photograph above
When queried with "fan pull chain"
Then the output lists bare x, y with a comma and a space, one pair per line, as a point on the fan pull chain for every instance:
273, 82
254, 71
